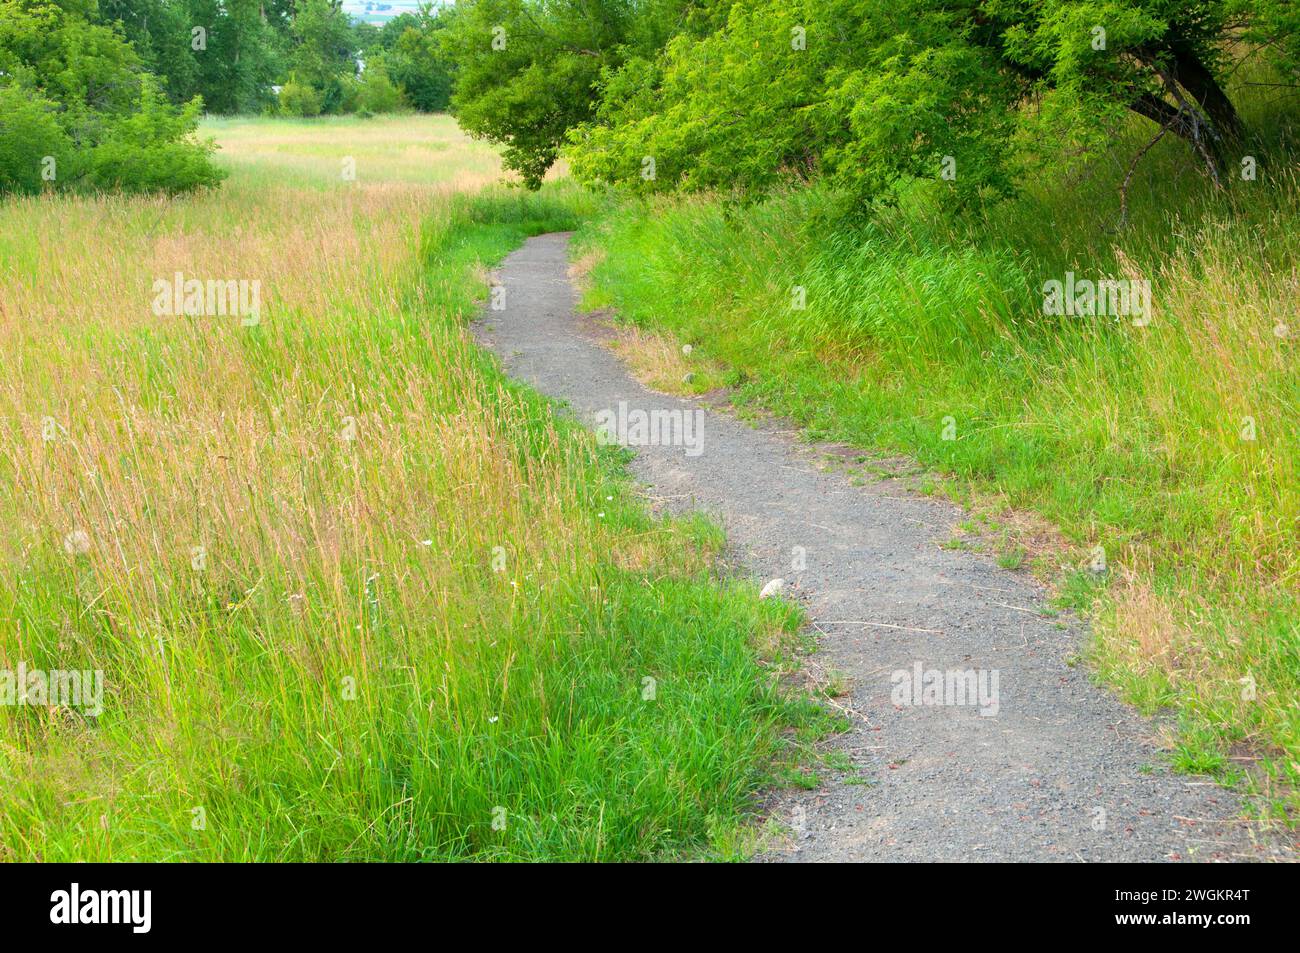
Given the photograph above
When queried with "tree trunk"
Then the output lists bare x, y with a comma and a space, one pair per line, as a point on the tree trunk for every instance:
1196, 78
1201, 114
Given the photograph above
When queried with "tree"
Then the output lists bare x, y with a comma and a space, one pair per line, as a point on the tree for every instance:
160, 32
860, 93
874, 92
223, 50
324, 49
80, 108
151, 150
33, 145
240, 57
527, 72
299, 99
867, 94
376, 92
415, 60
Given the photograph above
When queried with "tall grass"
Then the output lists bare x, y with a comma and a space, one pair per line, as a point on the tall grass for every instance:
1173, 447
385, 152
354, 596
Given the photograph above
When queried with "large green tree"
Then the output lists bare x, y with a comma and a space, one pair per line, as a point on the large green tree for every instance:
528, 71
78, 109
414, 57
228, 51
864, 93
873, 92
324, 49
160, 32
242, 57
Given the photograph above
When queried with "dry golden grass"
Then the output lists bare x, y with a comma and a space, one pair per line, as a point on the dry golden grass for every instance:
660, 363
1150, 629
388, 152
171, 412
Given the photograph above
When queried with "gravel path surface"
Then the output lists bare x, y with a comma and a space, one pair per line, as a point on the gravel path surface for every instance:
1039, 765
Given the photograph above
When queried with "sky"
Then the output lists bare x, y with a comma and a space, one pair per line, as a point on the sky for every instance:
357, 9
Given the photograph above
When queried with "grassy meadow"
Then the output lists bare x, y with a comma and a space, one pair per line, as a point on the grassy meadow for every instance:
354, 596
1168, 452
391, 153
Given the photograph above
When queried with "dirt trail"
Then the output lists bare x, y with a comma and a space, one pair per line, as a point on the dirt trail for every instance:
1055, 769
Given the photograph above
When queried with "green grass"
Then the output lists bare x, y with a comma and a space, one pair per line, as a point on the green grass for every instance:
923, 332
432, 619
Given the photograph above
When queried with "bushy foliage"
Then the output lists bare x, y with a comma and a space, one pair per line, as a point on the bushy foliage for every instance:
235, 53
33, 146
864, 94
376, 92
791, 90
323, 54
871, 94
151, 150
415, 61
527, 72
299, 99
226, 51
79, 111
161, 33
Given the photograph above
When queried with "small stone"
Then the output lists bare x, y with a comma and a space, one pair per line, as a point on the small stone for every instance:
772, 588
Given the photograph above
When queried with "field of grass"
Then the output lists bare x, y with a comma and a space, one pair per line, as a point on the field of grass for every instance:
389, 153
1167, 452
354, 596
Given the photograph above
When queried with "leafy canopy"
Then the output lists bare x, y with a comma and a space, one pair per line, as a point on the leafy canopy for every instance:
866, 94
528, 71
78, 110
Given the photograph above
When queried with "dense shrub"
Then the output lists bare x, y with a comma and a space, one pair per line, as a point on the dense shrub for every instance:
299, 99
77, 110
33, 146
867, 96
416, 63
377, 94
151, 150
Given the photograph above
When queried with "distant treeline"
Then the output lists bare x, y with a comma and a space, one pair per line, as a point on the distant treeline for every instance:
300, 57
106, 94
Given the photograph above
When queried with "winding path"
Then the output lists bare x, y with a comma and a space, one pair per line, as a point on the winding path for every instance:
1055, 769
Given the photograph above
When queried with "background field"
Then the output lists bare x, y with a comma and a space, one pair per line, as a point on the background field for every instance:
354, 597
427, 151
